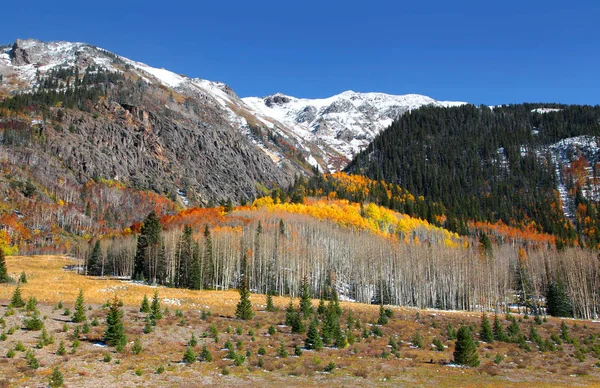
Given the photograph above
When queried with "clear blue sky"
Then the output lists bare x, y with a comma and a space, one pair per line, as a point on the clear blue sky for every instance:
487, 52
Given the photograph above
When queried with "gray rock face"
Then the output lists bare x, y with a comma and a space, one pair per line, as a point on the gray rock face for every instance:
139, 135
147, 150
276, 99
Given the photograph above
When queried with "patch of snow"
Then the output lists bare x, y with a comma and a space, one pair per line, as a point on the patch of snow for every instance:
545, 110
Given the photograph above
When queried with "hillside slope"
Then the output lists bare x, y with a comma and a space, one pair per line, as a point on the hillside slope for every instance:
527, 164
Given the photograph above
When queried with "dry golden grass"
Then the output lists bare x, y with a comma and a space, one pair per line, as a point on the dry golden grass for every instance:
357, 365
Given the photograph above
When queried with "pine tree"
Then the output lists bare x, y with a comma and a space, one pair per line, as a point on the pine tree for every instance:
205, 354
148, 244
296, 324
186, 254
383, 319
244, 307
339, 338
514, 331
564, 332
56, 379
79, 313
114, 335
208, 259
196, 269
499, 334
557, 301
486, 334
155, 313
465, 352
313, 339
321, 309
145, 307
305, 302
94, 267
189, 357
270, 306
289, 313
4, 278
61, 349
17, 300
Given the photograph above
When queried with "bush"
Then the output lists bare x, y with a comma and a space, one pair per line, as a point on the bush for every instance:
107, 357
439, 346
61, 349
329, 367
32, 362
417, 340
136, 348
160, 370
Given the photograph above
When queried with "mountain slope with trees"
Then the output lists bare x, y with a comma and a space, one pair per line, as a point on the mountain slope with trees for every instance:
494, 164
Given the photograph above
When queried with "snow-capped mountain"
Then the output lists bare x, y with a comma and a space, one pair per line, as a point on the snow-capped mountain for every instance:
295, 133
344, 123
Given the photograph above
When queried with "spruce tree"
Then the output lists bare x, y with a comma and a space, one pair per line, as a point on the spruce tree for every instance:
297, 325
465, 352
558, 303
114, 335
16, 300
148, 245
205, 354
321, 309
79, 313
305, 302
289, 313
56, 379
313, 339
145, 307
94, 267
4, 278
208, 260
499, 334
244, 307
155, 313
189, 357
383, 319
486, 334
270, 306
514, 331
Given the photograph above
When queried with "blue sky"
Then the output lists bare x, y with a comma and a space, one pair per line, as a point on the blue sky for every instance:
475, 51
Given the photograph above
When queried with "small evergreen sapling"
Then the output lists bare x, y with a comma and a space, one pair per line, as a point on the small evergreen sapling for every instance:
16, 300
486, 334
145, 307
189, 357
270, 306
313, 339
79, 313
244, 307
465, 352
114, 335
155, 312
56, 379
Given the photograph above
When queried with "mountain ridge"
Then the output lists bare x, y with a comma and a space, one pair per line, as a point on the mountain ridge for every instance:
321, 133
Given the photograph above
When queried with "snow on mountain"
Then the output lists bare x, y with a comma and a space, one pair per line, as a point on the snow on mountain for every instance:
545, 110
346, 122
316, 133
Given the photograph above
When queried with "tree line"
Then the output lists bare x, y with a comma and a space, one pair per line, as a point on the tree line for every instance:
280, 249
